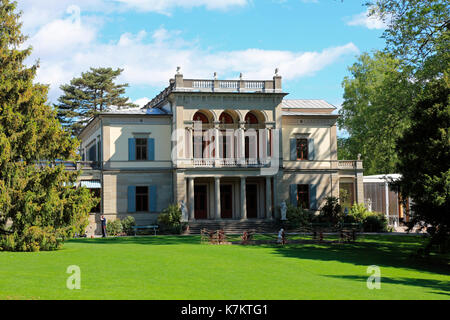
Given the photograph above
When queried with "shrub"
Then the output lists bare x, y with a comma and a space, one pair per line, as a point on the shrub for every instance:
114, 228
170, 219
127, 224
331, 211
357, 213
375, 222
34, 239
297, 217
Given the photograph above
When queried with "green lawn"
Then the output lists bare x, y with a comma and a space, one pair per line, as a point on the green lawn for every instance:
171, 267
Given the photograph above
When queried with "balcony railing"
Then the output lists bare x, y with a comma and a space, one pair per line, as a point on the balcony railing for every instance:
347, 164
234, 162
228, 85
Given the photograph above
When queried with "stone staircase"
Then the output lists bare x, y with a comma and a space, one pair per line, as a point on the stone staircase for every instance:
233, 226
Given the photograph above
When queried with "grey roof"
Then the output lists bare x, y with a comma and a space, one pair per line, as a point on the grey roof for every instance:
149, 111
298, 113
306, 104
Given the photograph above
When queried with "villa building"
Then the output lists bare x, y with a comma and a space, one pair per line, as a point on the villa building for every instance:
227, 150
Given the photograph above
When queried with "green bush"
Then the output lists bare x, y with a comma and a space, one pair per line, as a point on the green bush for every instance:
331, 211
127, 224
357, 213
170, 219
375, 222
33, 239
114, 228
297, 217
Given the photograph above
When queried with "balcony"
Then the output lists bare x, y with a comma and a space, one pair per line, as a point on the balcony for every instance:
349, 164
228, 163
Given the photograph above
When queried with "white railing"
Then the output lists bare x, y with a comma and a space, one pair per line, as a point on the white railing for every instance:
202, 84
229, 84
203, 163
347, 164
228, 162
254, 84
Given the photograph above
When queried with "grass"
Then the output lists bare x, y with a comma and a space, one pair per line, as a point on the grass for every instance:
179, 267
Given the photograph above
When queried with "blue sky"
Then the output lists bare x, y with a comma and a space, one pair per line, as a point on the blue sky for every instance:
312, 42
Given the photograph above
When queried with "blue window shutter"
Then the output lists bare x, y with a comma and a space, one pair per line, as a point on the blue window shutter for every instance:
313, 196
293, 149
131, 149
311, 153
151, 149
131, 199
293, 194
152, 198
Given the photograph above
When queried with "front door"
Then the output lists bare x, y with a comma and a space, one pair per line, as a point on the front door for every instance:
200, 202
226, 201
251, 191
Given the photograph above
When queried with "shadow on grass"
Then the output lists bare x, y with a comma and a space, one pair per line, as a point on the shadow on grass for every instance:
383, 254
439, 287
144, 240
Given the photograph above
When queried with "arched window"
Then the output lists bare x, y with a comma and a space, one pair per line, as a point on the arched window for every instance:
226, 139
251, 137
200, 143
250, 118
200, 116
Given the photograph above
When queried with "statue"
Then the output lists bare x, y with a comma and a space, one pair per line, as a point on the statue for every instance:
369, 205
283, 209
184, 211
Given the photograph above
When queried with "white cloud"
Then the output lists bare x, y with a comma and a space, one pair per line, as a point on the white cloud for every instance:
141, 102
63, 35
370, 22
165, 6
39, 12
69, 45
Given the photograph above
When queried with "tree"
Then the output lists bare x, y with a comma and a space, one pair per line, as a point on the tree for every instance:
424, 162
85, 96
417, 32
377, 99
37, 199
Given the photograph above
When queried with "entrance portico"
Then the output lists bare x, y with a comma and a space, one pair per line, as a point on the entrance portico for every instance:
229, 197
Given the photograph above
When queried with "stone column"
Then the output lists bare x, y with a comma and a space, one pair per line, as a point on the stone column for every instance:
241, 143
216, 133
243, 200
268, 198
190, 143
191, 198
217, 197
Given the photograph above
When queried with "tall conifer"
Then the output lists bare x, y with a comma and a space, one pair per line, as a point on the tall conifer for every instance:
37, 200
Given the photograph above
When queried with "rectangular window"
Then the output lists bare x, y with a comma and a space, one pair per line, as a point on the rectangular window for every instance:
302, 149
303, 196
141, 198
141, 149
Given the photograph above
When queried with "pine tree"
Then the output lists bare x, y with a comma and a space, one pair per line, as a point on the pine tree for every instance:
37, 202
85, 96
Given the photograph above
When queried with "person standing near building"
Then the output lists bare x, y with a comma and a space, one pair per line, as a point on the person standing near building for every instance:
103, 220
